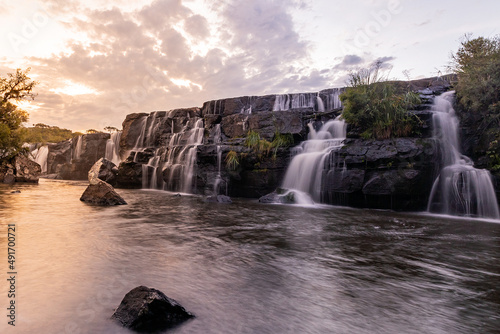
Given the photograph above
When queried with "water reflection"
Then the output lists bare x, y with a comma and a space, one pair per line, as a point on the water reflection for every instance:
247, 267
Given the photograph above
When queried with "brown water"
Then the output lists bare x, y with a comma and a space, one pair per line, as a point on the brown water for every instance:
246, 267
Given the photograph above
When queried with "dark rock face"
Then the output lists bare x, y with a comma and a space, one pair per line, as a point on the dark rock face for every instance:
391, 174
145, 309
101, 193
72, 159
129, 175
58, 157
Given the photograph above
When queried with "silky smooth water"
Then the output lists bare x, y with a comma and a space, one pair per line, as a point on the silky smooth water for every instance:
246, 267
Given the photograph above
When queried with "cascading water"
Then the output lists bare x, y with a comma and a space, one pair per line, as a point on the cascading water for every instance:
218, 178
75, 154
172, 167
113, 148
309, 100
460, 189
40, 157
304, 175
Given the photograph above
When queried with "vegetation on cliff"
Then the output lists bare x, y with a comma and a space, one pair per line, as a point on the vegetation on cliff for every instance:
379, 109
477, 66
42, 133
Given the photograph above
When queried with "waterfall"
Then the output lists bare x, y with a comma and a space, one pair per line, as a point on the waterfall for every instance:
286, 102
176, 162
332, 100
113, 148
305, 172
321, 105
460, 189
40, 157
78, 148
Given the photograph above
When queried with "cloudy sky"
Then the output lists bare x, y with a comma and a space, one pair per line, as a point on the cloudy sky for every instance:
99, 60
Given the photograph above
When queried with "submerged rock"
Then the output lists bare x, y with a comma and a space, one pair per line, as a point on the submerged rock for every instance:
146, 309
286, 196
218, 199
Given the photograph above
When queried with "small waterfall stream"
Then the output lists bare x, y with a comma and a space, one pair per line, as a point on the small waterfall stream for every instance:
40, 157
75, 154
460, 189
113, 148
305, 172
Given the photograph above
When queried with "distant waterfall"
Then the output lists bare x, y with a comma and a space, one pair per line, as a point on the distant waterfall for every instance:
460, 189
331, 101
113, 148
172, 167
77, 151
40, 157
306, 168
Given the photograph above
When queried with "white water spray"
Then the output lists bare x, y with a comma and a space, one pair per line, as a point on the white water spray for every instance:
460, 189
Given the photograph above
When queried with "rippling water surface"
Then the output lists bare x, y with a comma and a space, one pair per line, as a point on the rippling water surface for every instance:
246, 267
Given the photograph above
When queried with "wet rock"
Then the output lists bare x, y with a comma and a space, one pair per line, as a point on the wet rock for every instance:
279, 196
59, 155
129, 175
9, 176
146, 309
101, 193
218, 199
104, 170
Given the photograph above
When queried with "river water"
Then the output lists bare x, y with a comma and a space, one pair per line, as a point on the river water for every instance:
246, 267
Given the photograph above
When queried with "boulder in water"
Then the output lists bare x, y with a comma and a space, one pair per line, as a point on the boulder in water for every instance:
8, 176
101, 193
145, 309
104, 170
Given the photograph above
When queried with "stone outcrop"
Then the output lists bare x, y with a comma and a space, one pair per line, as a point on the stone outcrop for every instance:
158, 148
20, 169
100, 192
103, 170
149, 310
26, 170
72, 159
391, 174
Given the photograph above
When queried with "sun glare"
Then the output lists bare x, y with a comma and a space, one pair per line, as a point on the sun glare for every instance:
72, 88
185, 83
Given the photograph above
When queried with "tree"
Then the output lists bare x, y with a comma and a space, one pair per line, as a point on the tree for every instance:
111, 129
92, 131
477, 65
15, 87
